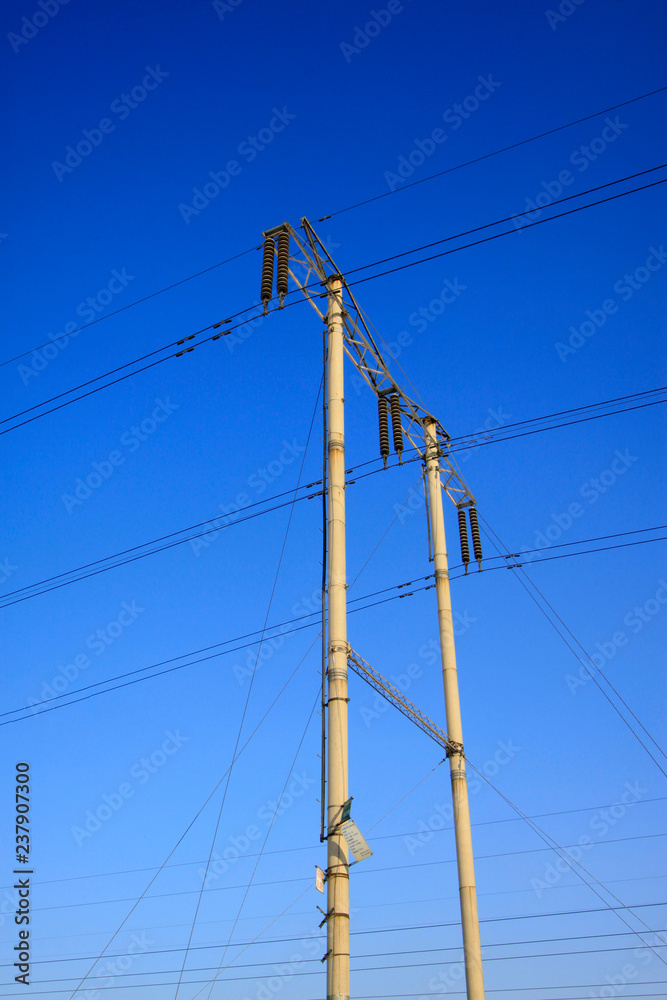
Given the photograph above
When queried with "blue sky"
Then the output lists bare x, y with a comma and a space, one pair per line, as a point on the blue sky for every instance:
147, 143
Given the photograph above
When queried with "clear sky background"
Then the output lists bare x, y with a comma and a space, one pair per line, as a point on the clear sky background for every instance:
318, 113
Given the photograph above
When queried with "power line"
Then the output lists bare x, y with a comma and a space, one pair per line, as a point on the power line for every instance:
468, 442
318, 971
576, 867
507, 232
486, 156
96, 566
260, 854
191, 824
82, 385
244, 713
358, 281
388, 836
172, 535
365, 871
507, 218
381, 954
587, 655
299, 628
348, 208
131, 305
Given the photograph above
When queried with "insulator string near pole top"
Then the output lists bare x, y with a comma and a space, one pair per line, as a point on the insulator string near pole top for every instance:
267, 272
397, 430
283, 266
463, 535
383, 418
476, 540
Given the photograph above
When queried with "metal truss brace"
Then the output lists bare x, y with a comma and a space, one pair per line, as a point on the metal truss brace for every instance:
311, 268
397, 699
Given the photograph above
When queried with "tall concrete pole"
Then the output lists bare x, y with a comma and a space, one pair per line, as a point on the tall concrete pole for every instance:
338, 911
467, 891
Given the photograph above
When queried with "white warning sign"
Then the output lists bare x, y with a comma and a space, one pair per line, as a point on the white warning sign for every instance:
355, 840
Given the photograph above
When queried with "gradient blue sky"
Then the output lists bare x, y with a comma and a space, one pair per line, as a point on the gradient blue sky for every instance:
222, 74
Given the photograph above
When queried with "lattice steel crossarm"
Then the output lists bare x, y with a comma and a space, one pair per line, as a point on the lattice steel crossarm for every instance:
396, 698
315, 262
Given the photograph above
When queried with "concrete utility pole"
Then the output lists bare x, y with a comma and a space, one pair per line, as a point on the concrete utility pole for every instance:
462, 832
348, 332
338, 888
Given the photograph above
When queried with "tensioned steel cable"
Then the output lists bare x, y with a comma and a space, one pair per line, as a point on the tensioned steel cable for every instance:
386, 836
486, 156
490, 532
299, 628
572, 862
131, 305
247, 700
186, 831
372, 277
385, 194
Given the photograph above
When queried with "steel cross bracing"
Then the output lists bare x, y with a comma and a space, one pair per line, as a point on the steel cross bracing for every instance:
396, 698
315, 262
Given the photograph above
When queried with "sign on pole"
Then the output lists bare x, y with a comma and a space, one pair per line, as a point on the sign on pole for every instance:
355, 840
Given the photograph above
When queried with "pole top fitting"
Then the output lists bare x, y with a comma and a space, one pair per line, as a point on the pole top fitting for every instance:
282, 228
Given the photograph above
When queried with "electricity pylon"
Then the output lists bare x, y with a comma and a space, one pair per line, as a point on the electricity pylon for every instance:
312, 267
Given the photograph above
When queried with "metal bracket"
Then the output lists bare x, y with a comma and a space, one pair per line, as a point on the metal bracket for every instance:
454, 748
